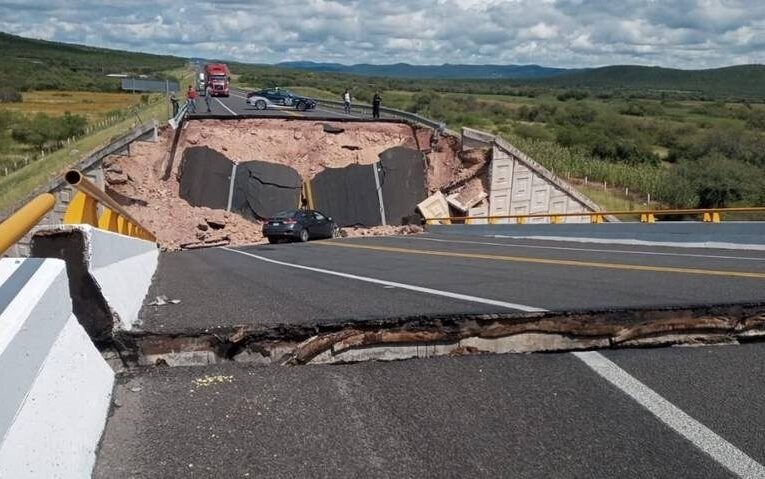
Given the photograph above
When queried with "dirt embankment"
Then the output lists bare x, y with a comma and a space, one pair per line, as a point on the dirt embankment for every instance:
136, 181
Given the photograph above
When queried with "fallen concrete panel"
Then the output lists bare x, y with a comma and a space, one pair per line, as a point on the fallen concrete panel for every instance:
402, 180
435, 206
205, 177
56, 385
348, 195
262, 189
109, 274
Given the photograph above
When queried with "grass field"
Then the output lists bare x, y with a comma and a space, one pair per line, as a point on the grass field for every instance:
92, 105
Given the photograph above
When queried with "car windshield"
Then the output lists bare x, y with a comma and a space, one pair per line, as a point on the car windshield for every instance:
285, 214
217, 77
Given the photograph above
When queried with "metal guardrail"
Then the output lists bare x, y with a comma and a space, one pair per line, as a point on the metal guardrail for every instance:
83, 209
22, 221
366, 110
709, 215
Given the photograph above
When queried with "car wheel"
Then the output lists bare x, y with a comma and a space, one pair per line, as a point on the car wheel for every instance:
302, 106
260, 105
272, 239
304, 236
335, 232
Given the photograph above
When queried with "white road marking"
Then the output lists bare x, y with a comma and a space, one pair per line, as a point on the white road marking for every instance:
632, 242
699, 435
592, 250
224, 106
725, 453
419, 289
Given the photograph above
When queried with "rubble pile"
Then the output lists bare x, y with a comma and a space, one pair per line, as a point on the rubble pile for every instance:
137, 180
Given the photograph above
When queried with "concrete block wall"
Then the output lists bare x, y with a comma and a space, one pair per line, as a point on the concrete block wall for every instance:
521, 186
56, 387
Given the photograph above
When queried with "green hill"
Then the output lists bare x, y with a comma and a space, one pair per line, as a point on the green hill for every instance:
743, 81
42, 65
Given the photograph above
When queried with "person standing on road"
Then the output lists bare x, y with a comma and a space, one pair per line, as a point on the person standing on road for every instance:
208, 97
376, 100
191, 99
347, 101
174, 102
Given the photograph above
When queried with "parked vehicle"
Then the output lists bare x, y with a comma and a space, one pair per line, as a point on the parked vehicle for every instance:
300, 225
279, 98
218, 78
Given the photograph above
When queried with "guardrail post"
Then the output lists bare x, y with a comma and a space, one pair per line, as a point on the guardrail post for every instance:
555, 219
713, 217
647, 218
596, 219
520, 220
81, 210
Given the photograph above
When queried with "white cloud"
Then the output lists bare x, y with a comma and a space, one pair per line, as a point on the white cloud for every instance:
570, 33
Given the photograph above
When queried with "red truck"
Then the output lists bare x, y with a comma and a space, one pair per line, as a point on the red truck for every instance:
217, 77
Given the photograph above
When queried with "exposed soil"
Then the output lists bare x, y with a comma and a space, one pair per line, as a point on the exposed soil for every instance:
302, 145
308, 146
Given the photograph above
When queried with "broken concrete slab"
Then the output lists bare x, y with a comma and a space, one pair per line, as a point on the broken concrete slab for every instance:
435, 206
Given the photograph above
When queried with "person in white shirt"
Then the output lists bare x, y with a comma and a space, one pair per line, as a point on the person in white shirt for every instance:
347, 101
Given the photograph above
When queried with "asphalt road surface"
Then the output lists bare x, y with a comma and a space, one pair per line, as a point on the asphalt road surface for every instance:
389, 277
659, 413
236, 104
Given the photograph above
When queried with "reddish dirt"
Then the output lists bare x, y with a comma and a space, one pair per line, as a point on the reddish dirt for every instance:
136, 180
302, 145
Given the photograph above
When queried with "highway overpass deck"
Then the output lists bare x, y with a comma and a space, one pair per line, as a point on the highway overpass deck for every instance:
664, 413
353, 279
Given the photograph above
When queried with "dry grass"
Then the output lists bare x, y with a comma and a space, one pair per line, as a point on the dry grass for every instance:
89, 104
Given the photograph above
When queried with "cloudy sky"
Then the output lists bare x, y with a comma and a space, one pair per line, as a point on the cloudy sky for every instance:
566, 33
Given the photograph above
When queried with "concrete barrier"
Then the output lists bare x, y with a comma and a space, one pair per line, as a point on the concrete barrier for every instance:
56, 387
737, 235
109, 274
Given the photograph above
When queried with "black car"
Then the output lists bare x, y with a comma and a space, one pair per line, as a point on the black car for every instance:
299, 225
279, 98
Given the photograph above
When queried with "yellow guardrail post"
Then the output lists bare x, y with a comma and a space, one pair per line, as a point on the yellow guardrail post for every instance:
711, 217
83, 209
647, 218
21, 222
596, 219
556, 219
520, 220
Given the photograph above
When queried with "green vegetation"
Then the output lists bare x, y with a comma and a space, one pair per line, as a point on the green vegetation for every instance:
42, 65
688, 146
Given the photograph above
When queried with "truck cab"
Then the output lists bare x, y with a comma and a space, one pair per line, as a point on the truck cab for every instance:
217, 77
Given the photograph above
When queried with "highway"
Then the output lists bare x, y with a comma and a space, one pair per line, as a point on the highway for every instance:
236, 104
385, 277
662, 413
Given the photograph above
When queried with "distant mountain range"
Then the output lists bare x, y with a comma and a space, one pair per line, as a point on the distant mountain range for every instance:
442, 72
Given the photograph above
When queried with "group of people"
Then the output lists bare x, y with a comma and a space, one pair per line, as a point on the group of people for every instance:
376, 101
191, 100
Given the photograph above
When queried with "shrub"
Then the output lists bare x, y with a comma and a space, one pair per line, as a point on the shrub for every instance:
10, 95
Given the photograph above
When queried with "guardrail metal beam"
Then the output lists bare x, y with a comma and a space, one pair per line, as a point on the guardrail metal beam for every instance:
83, 209
709, 215
21, 222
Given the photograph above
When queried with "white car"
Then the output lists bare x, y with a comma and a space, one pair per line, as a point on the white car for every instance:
279, 99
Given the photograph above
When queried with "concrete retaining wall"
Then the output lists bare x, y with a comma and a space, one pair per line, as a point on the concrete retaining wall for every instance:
748, 235
56, 387
109, 274
91, 168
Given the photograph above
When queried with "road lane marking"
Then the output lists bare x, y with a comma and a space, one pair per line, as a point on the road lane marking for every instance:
418, 289
224, 106
725, 453
554, 262
591, 250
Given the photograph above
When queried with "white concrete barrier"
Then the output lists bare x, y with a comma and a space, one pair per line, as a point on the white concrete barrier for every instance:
109, 274
55, 388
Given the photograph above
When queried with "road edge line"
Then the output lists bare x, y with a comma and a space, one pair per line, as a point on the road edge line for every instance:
708, 441
419, 289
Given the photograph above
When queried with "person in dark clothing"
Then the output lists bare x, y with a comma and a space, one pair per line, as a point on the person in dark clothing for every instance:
376, 100
174, 102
